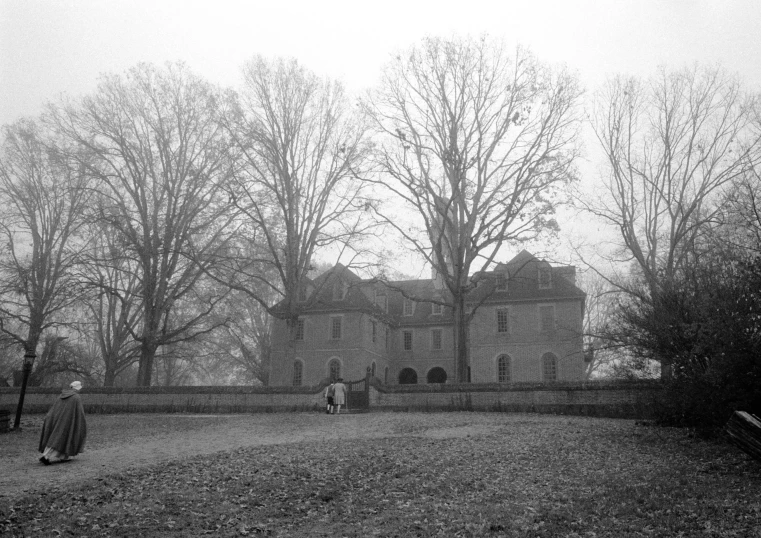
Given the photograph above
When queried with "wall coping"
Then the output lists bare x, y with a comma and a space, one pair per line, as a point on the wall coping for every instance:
374, 382
181, 389
520, 387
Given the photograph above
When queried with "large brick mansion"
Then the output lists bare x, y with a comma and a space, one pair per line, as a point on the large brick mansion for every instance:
527, 327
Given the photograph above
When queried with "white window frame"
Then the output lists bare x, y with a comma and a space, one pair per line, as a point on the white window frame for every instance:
335, 360
404, 339
501, 282
436, 309
508, 368
408, 307
301, 373
340, 327
506, 311
555, 367
440, 332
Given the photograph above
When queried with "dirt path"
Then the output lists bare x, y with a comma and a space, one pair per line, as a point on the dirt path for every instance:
116, 443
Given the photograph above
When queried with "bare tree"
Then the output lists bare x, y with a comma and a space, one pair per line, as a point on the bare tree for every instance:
239, 352
161, 162
43, 195
599, 352
111, 301
671, 143
479, 144
301, 148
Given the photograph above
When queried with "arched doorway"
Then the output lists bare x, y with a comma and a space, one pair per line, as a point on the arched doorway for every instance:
408, 376
437, 375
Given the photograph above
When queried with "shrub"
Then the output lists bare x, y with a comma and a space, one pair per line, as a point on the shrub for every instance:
707, 327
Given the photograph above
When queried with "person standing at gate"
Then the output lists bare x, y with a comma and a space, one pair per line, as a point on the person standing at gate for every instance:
65, 428
329, 391
339, 395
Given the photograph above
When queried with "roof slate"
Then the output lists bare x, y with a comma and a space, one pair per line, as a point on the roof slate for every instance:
522, 285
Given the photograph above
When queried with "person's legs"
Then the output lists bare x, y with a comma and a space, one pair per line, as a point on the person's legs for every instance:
338, 412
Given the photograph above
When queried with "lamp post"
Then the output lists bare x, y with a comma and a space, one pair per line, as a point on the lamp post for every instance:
29, 357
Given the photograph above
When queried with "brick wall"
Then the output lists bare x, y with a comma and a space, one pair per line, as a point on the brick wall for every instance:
525, 343
616, 399
171, 399
355, 350
612, 399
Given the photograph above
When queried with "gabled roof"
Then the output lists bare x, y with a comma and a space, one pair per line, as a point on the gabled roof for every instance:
339, 270
522, 282
522, 278
521, 259
423, 293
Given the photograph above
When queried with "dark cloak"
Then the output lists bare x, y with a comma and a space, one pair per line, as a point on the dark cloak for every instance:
65, 427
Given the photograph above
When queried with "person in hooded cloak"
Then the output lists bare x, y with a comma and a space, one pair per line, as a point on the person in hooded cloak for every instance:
65, 428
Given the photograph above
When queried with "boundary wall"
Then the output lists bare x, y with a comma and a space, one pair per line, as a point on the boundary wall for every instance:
622, 399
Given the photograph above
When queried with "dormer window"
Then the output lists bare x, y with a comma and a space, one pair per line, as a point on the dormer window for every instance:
545, 278
408, 308
501, 284
436, 309
380, 300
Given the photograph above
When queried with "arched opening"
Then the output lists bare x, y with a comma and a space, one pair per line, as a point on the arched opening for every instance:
503, 369
549, 367
372, 369
334, 369
408, 376
298, 373
437, 375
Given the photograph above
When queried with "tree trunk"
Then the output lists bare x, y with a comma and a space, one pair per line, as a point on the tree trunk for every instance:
655, 297
145, 369
109, 378
460, 328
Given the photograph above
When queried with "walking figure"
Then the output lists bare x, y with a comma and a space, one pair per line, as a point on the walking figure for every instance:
65, 428
339, 395
329, 396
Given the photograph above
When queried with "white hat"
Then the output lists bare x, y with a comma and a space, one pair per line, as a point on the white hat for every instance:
76, 385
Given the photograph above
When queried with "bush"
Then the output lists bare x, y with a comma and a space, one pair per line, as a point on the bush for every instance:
707, 327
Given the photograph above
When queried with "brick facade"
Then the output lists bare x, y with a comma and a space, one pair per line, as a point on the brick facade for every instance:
527, 327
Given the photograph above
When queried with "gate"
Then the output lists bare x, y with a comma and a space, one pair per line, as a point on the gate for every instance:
358, 394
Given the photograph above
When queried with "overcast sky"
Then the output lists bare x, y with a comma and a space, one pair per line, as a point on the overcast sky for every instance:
48, 47
53, 46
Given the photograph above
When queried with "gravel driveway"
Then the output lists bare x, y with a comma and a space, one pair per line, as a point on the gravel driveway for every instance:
116, 443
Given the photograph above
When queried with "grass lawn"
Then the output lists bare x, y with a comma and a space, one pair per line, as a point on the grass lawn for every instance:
524, 476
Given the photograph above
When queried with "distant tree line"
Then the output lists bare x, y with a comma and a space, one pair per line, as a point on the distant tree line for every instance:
150, 228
